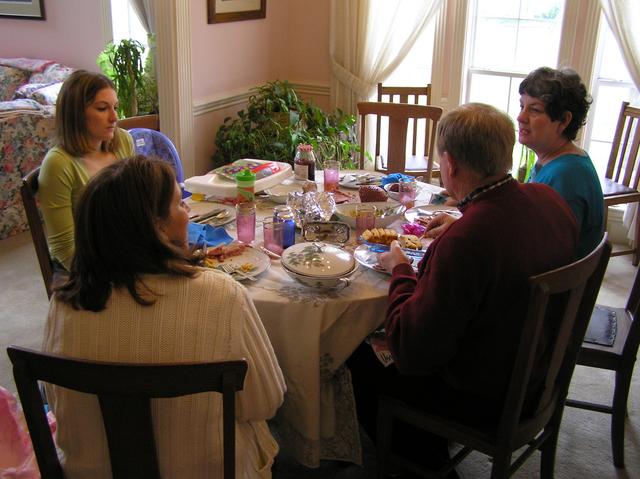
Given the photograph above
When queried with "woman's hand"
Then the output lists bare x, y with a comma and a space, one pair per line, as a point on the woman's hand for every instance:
394, 257
438, 225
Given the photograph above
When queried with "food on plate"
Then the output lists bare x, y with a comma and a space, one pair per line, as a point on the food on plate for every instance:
220, 253
371, 193
410, 241
380, 235
413, 229
395, 187
247, 267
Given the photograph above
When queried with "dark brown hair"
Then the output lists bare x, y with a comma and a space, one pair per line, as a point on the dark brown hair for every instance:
560, 91
117, 236
480, 137
77, 92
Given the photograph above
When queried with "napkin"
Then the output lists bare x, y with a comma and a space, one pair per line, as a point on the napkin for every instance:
210, 235
393, 178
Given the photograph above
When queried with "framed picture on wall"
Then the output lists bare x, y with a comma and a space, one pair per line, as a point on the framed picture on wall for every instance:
220, 11
27, 9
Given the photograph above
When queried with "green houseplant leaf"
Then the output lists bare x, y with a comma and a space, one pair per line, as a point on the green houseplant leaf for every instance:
276, 120
133, 78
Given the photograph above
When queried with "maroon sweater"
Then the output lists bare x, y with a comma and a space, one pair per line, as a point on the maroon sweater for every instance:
461, 317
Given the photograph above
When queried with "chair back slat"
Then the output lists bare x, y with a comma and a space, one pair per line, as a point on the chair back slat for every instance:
623, 165
406, 94
124, 392
399, 116
560, 306
28, 192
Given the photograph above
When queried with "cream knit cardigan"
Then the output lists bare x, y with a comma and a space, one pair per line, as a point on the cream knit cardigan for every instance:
209, 317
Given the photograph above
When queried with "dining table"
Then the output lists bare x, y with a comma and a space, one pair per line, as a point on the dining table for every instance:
313, 332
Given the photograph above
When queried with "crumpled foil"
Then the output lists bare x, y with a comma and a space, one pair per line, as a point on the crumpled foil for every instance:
311, 206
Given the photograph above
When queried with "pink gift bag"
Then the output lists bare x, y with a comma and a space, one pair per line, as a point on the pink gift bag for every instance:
17, 459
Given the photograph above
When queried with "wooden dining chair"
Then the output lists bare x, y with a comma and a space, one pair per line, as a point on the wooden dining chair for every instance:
28, 191
124, 392
151, 122
620, 357
400, 156
559, 304
622, 177
416, 95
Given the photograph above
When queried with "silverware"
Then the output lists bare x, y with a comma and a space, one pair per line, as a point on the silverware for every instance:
215, 214
270, 253
231, 270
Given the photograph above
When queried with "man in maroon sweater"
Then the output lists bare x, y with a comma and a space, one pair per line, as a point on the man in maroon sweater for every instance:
453, 329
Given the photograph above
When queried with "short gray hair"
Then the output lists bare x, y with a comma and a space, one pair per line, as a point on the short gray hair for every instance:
480, 137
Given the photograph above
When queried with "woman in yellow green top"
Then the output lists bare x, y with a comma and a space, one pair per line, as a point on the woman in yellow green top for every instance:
88, 140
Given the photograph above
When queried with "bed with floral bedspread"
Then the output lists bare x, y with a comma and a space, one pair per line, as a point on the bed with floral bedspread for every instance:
28, 92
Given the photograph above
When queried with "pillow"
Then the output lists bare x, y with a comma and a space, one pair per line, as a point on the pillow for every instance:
48, 94
26, 90
10, 80
53, 73
30, 64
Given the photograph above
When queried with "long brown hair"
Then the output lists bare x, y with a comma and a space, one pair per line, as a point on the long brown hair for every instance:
77, 92
117, 236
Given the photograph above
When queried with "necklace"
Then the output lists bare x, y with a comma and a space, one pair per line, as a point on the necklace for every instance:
543, 160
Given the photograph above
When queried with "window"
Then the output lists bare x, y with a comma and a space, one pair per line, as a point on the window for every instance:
611, 86
415, 70
506, 40
126, 24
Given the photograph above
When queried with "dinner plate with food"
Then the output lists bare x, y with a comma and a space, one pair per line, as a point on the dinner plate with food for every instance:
369, 259
378, 240
239, 260
355, 180
423, 214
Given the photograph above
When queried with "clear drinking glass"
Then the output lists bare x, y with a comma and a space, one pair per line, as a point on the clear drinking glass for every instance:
365, 218
246, 222
407, 188
331, 175
273, 232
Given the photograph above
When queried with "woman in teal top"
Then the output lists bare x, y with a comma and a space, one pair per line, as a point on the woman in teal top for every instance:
553, 107
88, 140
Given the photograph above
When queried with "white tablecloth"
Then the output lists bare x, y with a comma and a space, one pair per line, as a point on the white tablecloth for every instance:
313, 332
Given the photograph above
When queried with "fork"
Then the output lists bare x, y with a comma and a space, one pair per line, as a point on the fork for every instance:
230, 269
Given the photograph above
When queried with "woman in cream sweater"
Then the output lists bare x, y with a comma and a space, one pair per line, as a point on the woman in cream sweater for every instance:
133, 296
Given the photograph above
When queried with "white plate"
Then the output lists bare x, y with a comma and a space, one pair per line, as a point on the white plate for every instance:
249, 255
430, 210
280, 193
369, 259
199, 208
351, 180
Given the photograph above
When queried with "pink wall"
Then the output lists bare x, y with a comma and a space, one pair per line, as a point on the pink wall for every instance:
71, 34
292, 43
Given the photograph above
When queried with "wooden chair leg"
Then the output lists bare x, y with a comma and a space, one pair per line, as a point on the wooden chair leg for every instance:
548, 450
619, 414
636, 241
501, 464
383, 441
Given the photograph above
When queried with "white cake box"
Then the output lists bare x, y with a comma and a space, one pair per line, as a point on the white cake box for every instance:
213, 184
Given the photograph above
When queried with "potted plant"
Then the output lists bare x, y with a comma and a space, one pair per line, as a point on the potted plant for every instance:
276, 121
527, 160
134, 81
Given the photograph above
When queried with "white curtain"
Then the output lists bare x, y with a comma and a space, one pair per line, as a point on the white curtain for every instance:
146, 13
623, 17
368, 40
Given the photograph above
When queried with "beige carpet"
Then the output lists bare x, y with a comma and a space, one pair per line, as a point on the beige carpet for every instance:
584, 450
